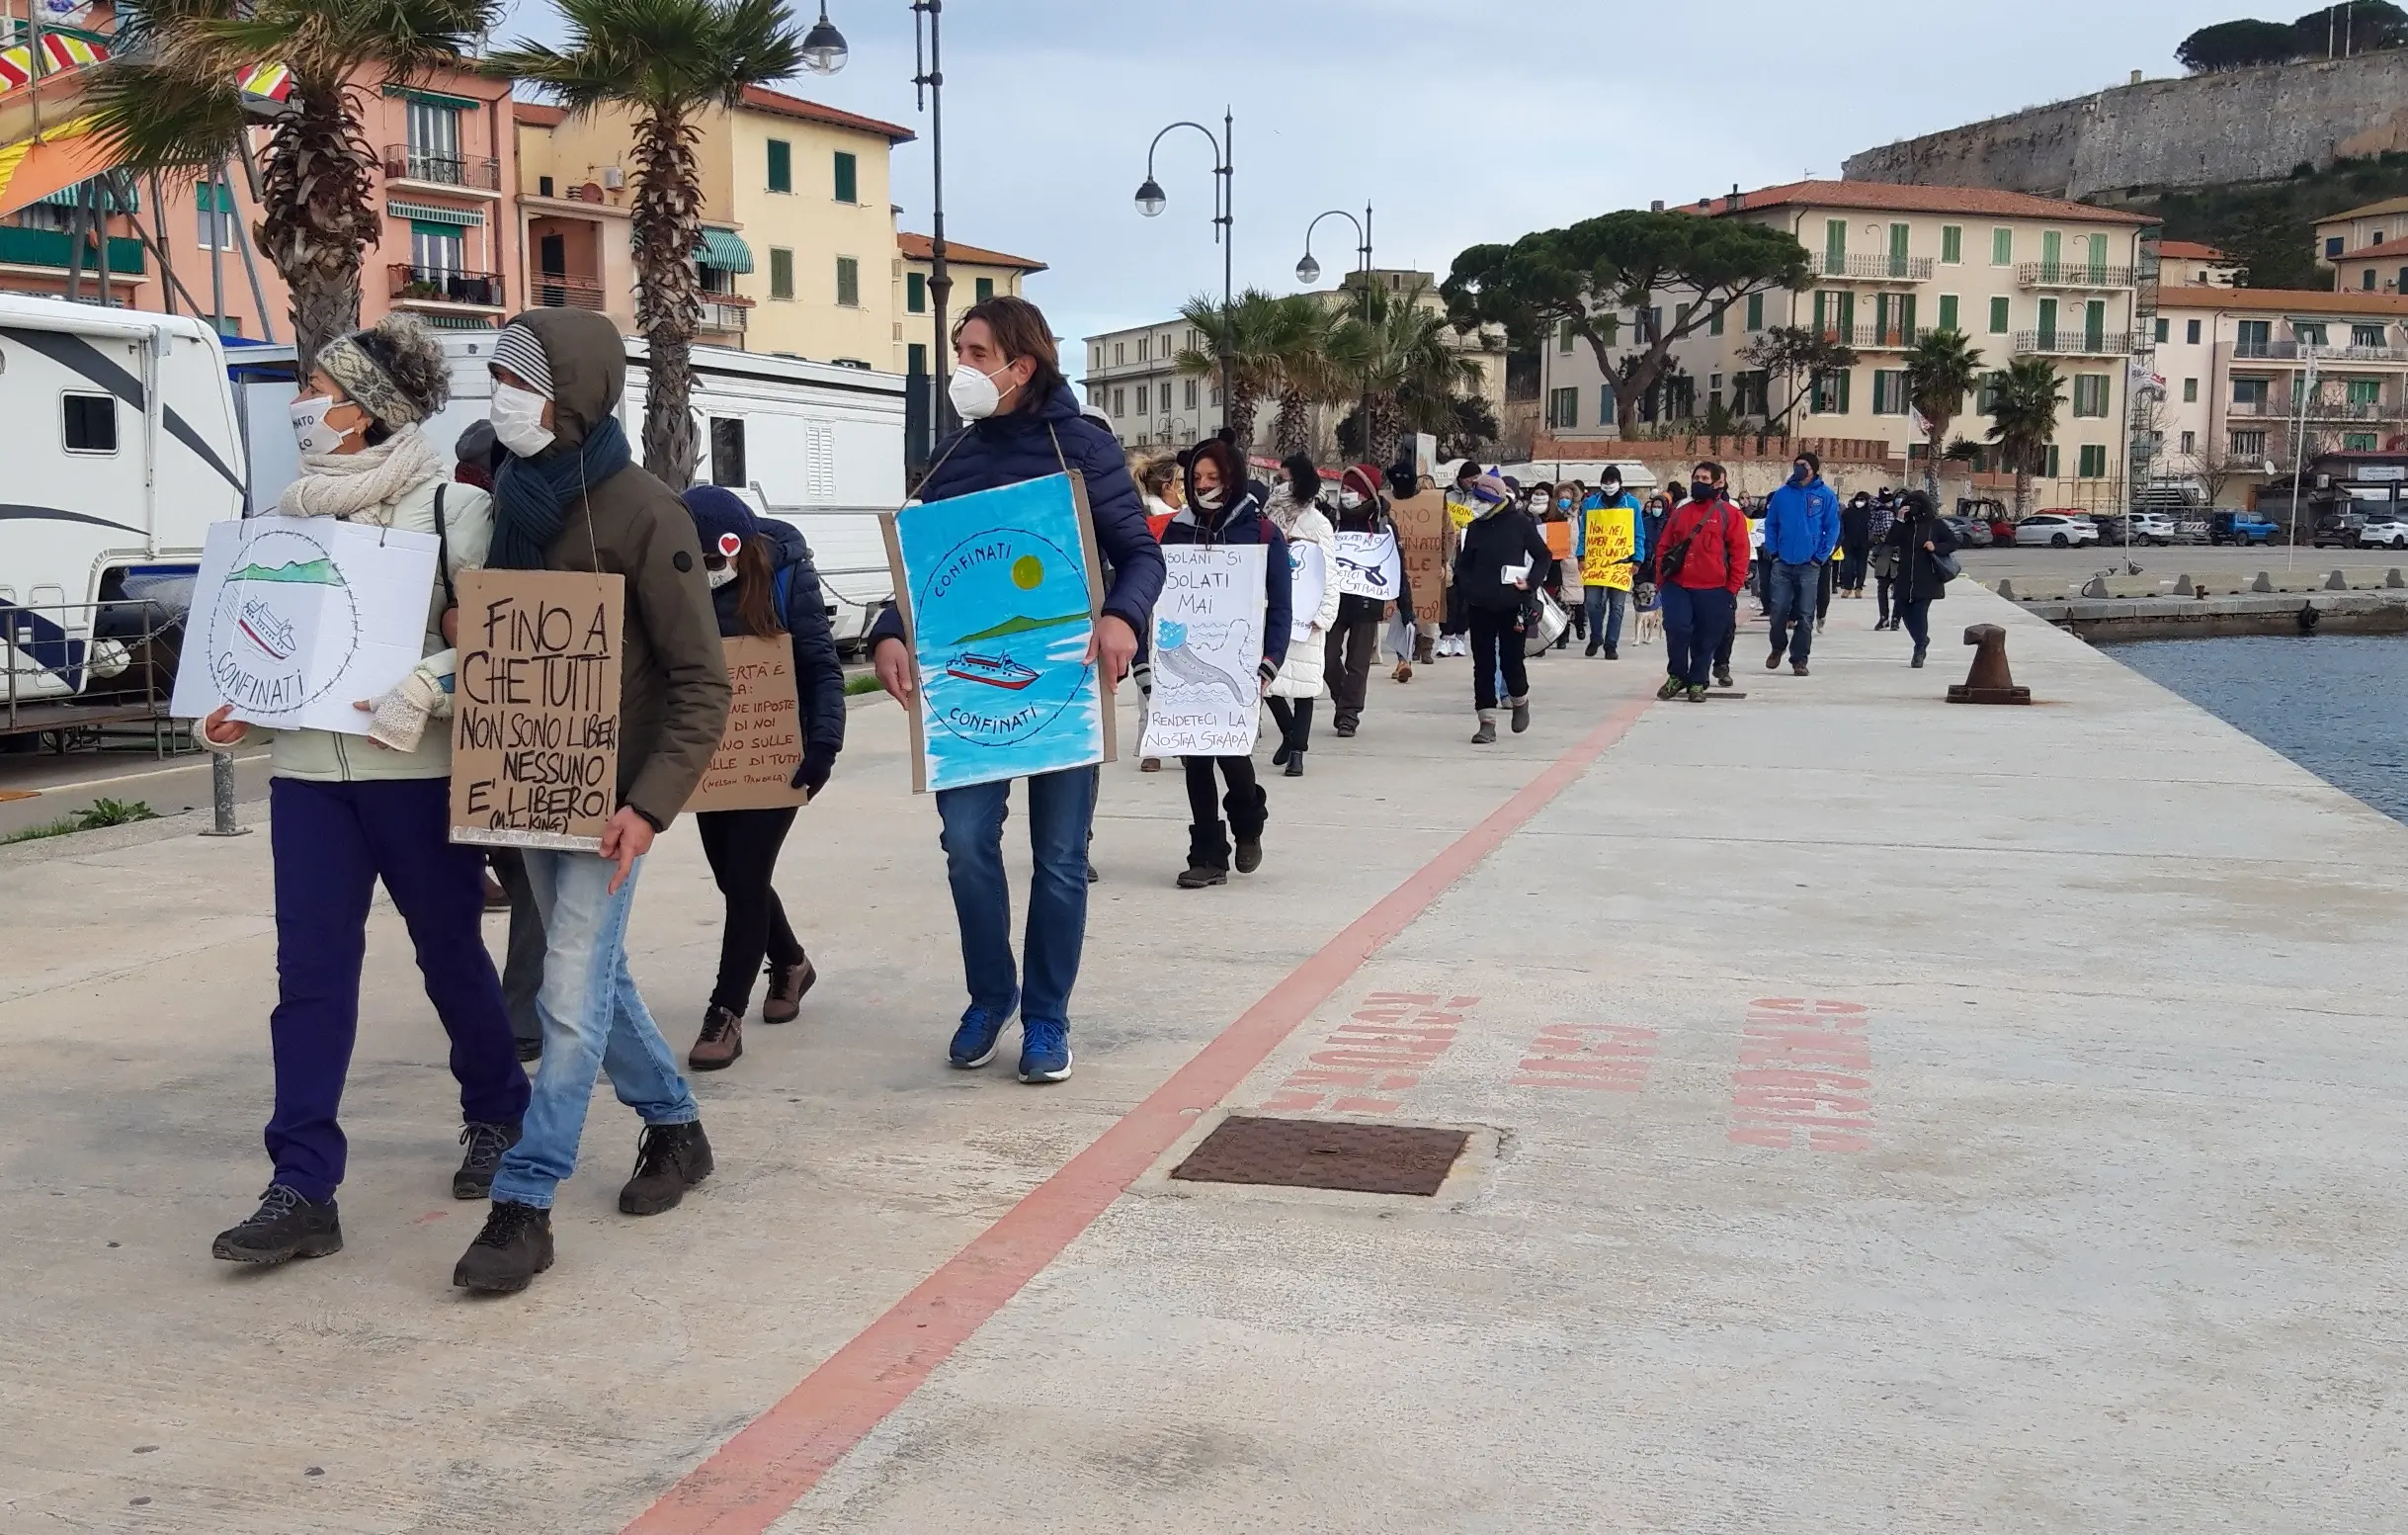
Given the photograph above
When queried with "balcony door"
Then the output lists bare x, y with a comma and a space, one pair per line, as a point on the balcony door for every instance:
2053, 255
2094, 326
433, 146
2049, 324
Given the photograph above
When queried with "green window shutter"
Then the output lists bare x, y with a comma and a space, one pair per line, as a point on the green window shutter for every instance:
1906, 320
1846, 318
1613, 329
2049, 321
1822, 316
1898, 236
1881, 315
1755, 311
1998, 317
780, 272
2052, 254
2055, 467
917, 355
2094, 324
848, 178
2165, 329
848, 281
1948, 312
1834, 244
985, 289
2098, 258
1844, 374
1952, 243
1563, 336
2365, 392
915, 293
1714, 327
2094, 462
780, 165
2189, 392
2002, 248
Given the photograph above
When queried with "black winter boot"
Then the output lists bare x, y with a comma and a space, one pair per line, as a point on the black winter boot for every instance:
1208, 857
1246, 822
284, 1227
514, 1247
669, 1160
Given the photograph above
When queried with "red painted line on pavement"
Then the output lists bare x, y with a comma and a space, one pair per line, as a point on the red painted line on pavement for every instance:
752, 1480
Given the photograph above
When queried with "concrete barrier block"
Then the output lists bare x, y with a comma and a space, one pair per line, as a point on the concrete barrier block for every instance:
2006, 587
2185, 587
2393, 581
2263, 583
2337, 582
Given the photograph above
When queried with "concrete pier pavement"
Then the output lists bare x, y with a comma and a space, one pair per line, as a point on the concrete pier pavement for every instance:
1883, 1115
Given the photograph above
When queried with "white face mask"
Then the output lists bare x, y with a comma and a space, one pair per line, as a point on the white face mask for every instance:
1350, 499
310, 427
1209, 499
518, 420
975, 396
721, 576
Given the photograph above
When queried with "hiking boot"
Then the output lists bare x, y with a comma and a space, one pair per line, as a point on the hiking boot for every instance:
1595, 645
1424, 652
1403, 673
1696, 695
1773, 663
787, 985
1345, 729
485, 1143
1200, 875
1723, 676
1295, 766
1522, 713
1614, 652
1487, 733
1250, 851
506, 1256
1044, 1051
1797, 669
1673, 687
973, 1043
1917, 660
1150, 765
284, 1227
1279, 757
1092, 875
669, 1159
720, 1042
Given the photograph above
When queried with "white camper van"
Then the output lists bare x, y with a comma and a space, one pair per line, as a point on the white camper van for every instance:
121, 447
815, 444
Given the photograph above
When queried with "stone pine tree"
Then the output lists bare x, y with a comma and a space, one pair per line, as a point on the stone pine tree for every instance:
1942, 369
664, 62
2024, 400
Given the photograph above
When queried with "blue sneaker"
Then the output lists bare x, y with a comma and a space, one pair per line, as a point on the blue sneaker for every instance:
975, 1042
1044, 1051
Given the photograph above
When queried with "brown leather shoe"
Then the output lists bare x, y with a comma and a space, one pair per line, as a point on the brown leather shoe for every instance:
720, 1042
787, 984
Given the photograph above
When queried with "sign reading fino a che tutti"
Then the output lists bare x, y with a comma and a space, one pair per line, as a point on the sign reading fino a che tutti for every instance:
534, 712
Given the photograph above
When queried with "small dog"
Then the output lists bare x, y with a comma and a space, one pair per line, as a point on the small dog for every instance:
1651, 625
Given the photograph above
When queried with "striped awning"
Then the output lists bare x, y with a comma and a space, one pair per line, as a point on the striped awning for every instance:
456, 322
726, 250
109, 200
430, 212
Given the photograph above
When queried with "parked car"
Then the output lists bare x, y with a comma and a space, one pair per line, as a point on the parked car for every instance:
2153, 528
2056, 530
2337, 528
2389, 531
2111, 527
1971, 533
1991, 513
2238, 528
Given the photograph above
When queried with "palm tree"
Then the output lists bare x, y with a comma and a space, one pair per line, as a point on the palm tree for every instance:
167, 102
1245, 336
1401, 347
1942, 369
665, 62
1300, 340
2023, 406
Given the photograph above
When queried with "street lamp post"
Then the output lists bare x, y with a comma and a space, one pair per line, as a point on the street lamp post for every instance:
1308, 271
1151, 200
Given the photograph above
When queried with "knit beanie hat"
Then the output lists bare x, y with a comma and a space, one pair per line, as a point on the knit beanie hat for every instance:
392, 370
1363, 479
720, 516
520, 351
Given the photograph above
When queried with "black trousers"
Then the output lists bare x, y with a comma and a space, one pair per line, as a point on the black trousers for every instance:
1346, 661
523, 959
1247, 806
1881, 585
1296, 720
1495, 644
742, 846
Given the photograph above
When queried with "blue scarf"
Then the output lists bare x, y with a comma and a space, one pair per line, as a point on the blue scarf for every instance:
531, 497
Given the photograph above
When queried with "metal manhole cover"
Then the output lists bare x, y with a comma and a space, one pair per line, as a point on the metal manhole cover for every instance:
1325, 1153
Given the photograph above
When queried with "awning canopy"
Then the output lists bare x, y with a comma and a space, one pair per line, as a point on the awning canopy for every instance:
430, 212
108, 200
726, 250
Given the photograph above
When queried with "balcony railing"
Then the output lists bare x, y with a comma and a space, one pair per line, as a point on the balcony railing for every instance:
23, 247
403, 163
725, 315
1876, 338
562, 291
2301, 351
442, 285
2280, 409
2072, 274
2072, 343
1878, 269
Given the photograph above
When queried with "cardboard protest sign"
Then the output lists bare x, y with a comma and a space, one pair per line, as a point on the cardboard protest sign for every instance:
1309, 582
534, 711
1421, 527
1370, 564
1558, 537
1207, 648
762, 746
999, 591
295, 618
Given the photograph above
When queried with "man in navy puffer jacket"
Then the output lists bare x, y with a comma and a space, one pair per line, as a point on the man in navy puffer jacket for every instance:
1024, 424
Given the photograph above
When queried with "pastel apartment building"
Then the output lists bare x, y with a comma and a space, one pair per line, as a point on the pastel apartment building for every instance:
2021, 276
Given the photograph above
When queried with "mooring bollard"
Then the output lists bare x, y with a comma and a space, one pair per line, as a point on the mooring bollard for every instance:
1989, 682
222, 798
2263, 583
2337, 582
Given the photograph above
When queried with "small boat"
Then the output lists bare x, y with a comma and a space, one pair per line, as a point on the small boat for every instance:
270, 633
996, 671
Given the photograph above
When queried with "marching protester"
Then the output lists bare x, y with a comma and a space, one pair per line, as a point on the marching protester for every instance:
1883, 559
762, 583
1922, 543
1221, 509
349, 811
1164, 493
1699, 578
1023, 423
1354, 635
1462, 506
1559, 528
1611, 547
1801, 528
1295, 510
1502, 557
570, 497
1856, 541
1405, 483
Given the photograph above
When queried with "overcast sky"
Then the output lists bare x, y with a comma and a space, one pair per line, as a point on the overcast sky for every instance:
1461, 121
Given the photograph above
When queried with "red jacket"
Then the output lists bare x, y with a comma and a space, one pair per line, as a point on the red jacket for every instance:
1717, 556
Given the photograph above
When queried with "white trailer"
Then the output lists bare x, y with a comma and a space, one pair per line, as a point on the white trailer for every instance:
121, 448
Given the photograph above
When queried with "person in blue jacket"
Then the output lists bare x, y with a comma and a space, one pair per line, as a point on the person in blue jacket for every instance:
763, 582
1023, 423
1611, 549
1801, 527
1222, 508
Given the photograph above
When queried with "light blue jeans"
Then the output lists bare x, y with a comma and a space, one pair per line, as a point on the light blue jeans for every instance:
594, 1020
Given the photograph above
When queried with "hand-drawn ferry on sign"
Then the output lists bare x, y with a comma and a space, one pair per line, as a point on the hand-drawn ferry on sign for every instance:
270, 633
996, 671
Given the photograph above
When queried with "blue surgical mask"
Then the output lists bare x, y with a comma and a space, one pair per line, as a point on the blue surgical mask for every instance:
1799, 474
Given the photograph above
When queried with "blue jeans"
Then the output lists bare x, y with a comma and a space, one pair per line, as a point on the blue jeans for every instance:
1606, 605
1793, 590
1695, 618
1062, 811
594, 1020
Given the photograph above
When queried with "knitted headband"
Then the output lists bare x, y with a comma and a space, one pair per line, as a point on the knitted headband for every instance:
347, 362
